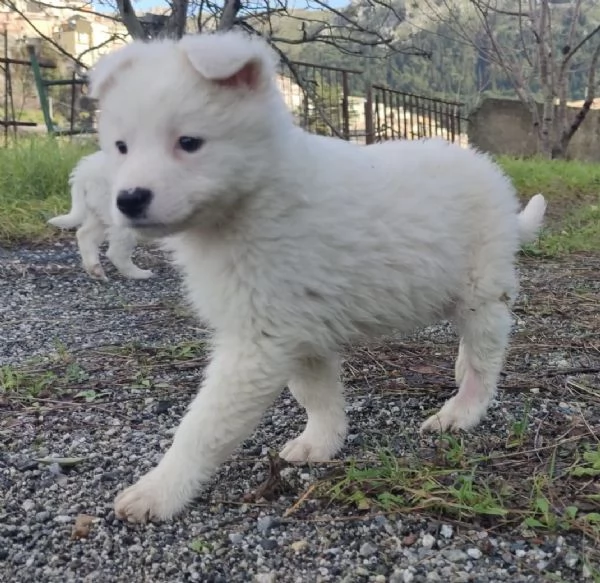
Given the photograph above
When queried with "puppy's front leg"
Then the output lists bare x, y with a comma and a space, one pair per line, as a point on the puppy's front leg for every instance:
242, 380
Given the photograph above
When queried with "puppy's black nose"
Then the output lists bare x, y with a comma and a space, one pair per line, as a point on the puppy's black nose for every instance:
133, 202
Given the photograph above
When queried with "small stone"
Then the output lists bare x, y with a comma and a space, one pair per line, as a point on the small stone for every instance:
541, 565
26, 465
433, 577
42, 516
380, 579
446, 531
265, 578
474, 553
162, 407
571, 560
28, 505
428, 541
409, 539
268, 544
367, 549
299, 546
454, 555
55, 469
520, 553
407, 576
236, 538
265, 523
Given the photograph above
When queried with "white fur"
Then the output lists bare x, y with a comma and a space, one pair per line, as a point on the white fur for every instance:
91, 212
292, 245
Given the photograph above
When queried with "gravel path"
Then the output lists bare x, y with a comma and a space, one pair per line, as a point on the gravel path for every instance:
102, 373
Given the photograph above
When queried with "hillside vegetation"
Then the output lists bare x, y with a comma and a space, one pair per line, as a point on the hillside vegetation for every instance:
457, 68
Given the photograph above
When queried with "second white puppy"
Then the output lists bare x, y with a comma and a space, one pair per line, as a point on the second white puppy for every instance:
91, 206
293, 245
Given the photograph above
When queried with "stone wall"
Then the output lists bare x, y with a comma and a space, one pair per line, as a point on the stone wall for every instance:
503, 126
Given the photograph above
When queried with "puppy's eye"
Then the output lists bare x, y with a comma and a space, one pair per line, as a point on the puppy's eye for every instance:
121, 146
189, 145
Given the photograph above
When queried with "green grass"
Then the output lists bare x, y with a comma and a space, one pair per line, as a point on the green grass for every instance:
34, 174
498, 488
34, 185
573, 193
62, 376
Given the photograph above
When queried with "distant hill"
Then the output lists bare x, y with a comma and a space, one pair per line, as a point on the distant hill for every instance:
456, 70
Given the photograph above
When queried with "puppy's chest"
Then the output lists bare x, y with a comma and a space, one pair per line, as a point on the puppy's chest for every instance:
228, 291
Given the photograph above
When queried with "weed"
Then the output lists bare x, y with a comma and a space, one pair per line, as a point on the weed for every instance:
465, 486
200, 546
34, 185
14, 382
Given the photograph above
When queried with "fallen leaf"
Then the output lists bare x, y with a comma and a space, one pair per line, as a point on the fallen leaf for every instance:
81, 528
409, 539
61, 461
364, 504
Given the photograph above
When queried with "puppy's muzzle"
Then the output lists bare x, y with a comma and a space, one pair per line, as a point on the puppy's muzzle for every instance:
134, 202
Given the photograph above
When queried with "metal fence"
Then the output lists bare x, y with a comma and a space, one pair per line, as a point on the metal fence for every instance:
398, 115
320, 99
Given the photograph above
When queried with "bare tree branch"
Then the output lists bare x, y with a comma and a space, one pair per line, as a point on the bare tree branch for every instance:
587, 104
81, 9
582, 42
48, 39
130, 20
178, 19
230, 11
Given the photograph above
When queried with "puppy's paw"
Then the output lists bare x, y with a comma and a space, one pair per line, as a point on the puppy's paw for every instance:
140, 274
313, 446
96, 272
454, 416
151, 498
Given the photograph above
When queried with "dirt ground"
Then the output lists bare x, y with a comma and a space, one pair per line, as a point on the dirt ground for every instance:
101, 373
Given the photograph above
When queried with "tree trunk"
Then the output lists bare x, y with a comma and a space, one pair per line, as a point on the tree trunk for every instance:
177, 20
561, 146
230, 11
130, 20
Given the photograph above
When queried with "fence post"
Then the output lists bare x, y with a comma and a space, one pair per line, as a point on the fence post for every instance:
369, 116
72, 116
345, 106
37, 74
6, 82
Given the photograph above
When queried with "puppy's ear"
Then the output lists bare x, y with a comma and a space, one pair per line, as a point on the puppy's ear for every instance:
103, 73
231, 59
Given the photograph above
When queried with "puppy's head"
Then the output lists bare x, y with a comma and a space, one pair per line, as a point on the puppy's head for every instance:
190, 128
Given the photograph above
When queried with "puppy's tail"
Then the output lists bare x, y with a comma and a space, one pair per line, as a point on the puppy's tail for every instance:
77, 213
531, 218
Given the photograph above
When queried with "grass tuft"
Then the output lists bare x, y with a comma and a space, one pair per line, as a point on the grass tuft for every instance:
495, 489
572, 190
34, 174
34, 185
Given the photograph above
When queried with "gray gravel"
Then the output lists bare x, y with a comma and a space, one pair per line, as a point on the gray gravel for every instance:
50, 309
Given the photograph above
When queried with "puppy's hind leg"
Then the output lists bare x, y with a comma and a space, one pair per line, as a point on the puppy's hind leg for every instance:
317, 387
484, 338
89, 238
121, 244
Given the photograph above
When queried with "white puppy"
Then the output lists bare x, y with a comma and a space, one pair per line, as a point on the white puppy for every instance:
91, 205
293, 244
